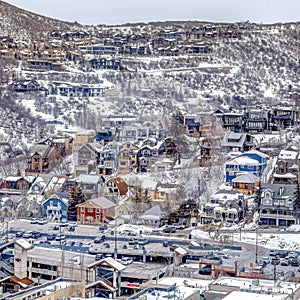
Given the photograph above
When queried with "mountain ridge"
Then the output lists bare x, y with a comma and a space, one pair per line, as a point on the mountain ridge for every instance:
17, 21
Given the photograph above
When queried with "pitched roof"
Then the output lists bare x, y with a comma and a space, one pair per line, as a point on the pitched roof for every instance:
246, 178
121, 184
101, 202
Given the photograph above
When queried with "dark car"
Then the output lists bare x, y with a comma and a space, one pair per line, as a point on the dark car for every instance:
143, 241
169, 229
71, 228
294, 262
106, 245
132, 241
55, 227
167, 243
103, 227
51, 237
36, 234
19, 234
205, 271
99, 256
99, 239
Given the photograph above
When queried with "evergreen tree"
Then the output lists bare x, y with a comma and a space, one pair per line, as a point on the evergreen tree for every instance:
76, 197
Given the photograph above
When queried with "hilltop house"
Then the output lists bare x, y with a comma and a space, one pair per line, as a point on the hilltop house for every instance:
251, 161
237, 142
286, 170
42, 158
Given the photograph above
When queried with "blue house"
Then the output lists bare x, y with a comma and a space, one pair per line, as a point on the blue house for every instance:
56, 207
252, 161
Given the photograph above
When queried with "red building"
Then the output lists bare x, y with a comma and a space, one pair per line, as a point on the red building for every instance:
97, 210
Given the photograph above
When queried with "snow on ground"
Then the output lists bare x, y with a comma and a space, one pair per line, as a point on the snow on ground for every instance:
280, 240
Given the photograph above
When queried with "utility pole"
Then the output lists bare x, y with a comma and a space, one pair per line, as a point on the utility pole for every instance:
256, 245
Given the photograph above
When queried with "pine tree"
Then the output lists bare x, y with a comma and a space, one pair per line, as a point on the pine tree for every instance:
76, 197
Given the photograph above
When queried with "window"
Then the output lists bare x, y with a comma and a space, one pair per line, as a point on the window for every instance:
90, 209
98, 217
36, 159
82, 208
98, 210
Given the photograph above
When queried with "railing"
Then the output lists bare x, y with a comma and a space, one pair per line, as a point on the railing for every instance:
6, 267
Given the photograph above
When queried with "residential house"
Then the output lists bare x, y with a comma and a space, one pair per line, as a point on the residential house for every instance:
108, 159
252, 161
80, 90
115, 189
25, 85
246, 183
237, 142
256, 121
91, 184
88, 157
42, 158
82, 138
282, 118
277, 205
227, 206
55, 208
15, 183
152, 216
286, 170
127, 158
96, 211
108, 63
233, 121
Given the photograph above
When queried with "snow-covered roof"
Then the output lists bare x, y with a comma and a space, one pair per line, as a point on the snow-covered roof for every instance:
154, 213
246, 178
102, 202
87, 178
242, 161
286, 176
180, 250
287, 154
24, 244
149, 184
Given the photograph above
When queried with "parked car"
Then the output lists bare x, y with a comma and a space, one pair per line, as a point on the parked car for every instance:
132, 241
103, 227
99, 239
285, 262
126, 260
27, 235
179, 226
205, 271
33, 221
143, 241
55, 227
36, 234
169, 229
51, 237
106, 245
60, 237
167, 243
71, 228
294, 262
275, 261
41, 221
19, 234
99, 256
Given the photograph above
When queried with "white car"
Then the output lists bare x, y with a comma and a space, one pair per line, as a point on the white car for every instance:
126, 260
